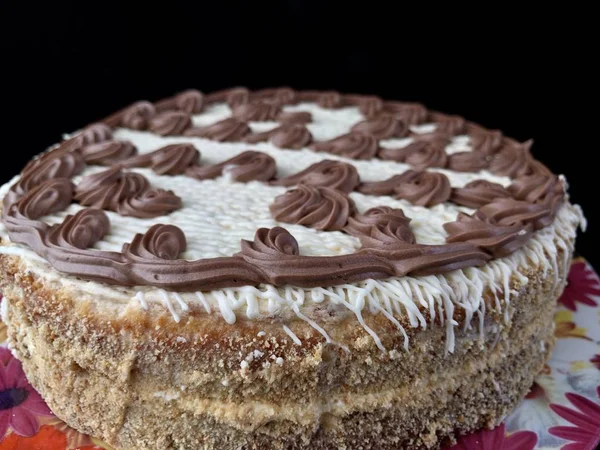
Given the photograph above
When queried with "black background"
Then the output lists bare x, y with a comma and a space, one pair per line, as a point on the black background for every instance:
66, 64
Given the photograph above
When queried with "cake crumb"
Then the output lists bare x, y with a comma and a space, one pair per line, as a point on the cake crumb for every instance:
394, 354
167, 396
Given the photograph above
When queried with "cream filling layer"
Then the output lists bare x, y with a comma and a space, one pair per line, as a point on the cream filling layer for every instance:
251, 414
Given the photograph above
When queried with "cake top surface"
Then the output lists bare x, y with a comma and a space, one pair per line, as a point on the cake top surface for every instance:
273, 190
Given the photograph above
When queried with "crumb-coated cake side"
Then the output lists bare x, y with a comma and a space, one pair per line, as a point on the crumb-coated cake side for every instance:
282, 269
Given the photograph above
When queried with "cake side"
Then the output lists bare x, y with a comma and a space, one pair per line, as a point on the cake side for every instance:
142, 371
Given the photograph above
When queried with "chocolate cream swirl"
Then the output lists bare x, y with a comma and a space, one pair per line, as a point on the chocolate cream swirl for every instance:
226, 130
325, 99
485, 141
94, 134
511, 212
46, 198
329, 100
280, 96
149, 203
291, 135
327, 173
321, 208
136, 116
233, 96
247, 166
173, 159
385, 187
370, 106
497, 240
52, 165
468, 161
108, 153
82, 230
190, 101
477, 193
424, 188
535, 188
355, 145
426, 151
383, 126
420, 188
256, 112
513, 160
276, 241
170, 123
294, 117
127, 193
381, 226
409, 113
452, 125
164, 242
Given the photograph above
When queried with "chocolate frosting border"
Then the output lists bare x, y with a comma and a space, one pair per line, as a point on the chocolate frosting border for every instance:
273, 256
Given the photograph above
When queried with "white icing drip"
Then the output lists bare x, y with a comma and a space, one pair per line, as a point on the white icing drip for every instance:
226, 310
291, 334
356, 303
167, 302
182, 304
142, 299
203, 302
376, 307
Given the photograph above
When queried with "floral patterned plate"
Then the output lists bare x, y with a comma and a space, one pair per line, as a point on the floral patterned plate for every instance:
561, 411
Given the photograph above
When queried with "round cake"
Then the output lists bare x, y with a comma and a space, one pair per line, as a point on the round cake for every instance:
283, 269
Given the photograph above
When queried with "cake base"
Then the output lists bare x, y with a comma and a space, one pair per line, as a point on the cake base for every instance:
138, 384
